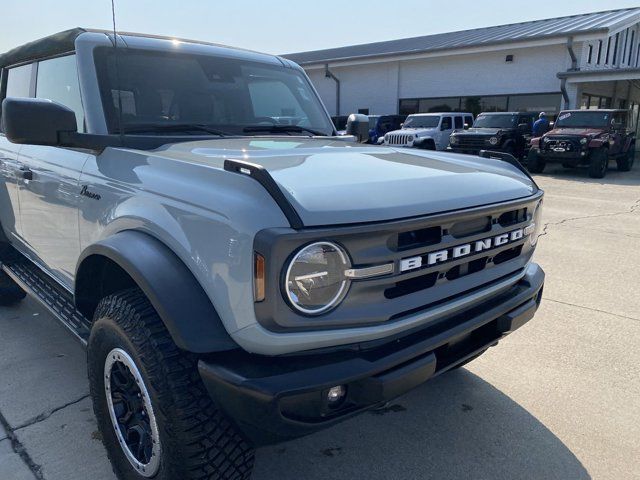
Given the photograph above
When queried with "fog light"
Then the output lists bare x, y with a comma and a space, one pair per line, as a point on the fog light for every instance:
335, 395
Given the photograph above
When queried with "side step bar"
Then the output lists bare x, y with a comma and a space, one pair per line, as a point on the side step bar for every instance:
50, 294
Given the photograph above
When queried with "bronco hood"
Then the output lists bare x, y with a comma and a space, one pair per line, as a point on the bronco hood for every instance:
335, 182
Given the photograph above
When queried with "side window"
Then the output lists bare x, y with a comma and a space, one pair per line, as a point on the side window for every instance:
19, 81
57, 80
526, 120
446, 123
458, 122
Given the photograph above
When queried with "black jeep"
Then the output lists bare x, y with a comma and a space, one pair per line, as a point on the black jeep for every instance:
508, 132
586, 137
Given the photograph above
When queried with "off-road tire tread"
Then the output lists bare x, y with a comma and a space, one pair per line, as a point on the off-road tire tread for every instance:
625, 162
10, 291
535, 164
594, 169
212, 446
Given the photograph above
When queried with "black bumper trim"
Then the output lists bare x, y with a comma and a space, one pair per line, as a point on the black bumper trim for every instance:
273, 399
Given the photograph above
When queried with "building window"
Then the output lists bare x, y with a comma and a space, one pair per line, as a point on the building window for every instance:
547, 102
595, 101
590, 54
599, 51
633, 34
615, 49
606, 58
363, 111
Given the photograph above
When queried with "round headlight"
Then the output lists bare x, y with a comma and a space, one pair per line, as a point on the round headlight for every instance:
537, 221
493, 140
315, 281
583, 141
453, 139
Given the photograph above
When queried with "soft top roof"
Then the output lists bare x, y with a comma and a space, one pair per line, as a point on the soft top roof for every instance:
57, 43
64, 42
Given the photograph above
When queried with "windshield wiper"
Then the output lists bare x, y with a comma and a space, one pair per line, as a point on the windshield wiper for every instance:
283, 129
175, 128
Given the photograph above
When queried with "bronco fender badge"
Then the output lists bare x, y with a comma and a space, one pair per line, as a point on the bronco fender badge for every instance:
85, 192
458, 251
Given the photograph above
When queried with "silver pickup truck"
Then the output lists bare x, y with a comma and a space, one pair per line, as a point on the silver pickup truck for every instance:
239, 274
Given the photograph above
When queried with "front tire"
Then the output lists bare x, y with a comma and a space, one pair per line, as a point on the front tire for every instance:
598, 163
139, 378
535, 163
10, 292
625, 163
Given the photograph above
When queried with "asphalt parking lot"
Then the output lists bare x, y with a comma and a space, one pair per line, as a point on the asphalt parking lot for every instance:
558, 399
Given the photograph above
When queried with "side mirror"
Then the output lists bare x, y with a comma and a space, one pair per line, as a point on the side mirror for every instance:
36, 121
523, 127
358, 126
551, 124
466, 126
401, 125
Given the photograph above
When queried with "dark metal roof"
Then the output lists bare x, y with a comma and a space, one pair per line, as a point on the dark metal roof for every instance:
533, 30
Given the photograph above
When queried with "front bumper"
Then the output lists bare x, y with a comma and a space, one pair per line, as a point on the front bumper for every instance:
474, 150
573, 156
273, 399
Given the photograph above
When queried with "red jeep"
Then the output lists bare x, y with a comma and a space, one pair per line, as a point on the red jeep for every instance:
586, 137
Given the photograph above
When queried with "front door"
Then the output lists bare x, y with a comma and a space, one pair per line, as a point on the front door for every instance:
446, 128
48, 188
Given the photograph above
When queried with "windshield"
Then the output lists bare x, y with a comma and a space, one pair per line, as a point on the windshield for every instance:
160, 90
426, 121
373, 120
583, 119
495, 121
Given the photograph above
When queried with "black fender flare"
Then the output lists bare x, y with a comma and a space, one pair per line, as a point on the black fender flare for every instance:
174, 292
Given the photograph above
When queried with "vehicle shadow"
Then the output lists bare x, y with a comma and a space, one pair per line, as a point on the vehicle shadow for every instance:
579, 174
454, 427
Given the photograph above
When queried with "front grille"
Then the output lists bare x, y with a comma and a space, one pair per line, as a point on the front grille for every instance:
398, 139
472, 141
421, 284
562, 144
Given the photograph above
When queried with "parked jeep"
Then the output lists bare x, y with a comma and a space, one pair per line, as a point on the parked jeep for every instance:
429, 131
508, 132
586, 137
235, 280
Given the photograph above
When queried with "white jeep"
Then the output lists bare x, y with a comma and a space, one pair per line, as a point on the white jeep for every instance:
429, 131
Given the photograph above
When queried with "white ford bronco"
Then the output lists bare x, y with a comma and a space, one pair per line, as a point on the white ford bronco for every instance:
238, 280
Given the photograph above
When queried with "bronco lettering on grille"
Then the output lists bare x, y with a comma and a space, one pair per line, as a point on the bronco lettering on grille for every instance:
458, 251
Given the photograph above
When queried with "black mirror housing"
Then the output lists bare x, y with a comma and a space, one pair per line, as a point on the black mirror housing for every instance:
523, 127
36, 121
358, 126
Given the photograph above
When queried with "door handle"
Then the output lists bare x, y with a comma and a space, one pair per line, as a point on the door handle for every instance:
26, 173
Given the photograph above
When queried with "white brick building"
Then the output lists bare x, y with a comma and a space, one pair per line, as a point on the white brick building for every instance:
589, 60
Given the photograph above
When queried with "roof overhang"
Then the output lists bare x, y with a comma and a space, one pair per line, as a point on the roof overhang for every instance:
582, 76
434, 53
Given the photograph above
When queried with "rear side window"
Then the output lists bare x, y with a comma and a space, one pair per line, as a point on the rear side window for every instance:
57, 80
458, 122
19, 81
446, 123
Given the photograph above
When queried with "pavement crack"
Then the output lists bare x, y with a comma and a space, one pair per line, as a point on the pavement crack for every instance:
20, 450
634, 207
546, 299
43, 416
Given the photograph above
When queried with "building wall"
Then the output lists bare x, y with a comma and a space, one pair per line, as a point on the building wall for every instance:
379, 86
